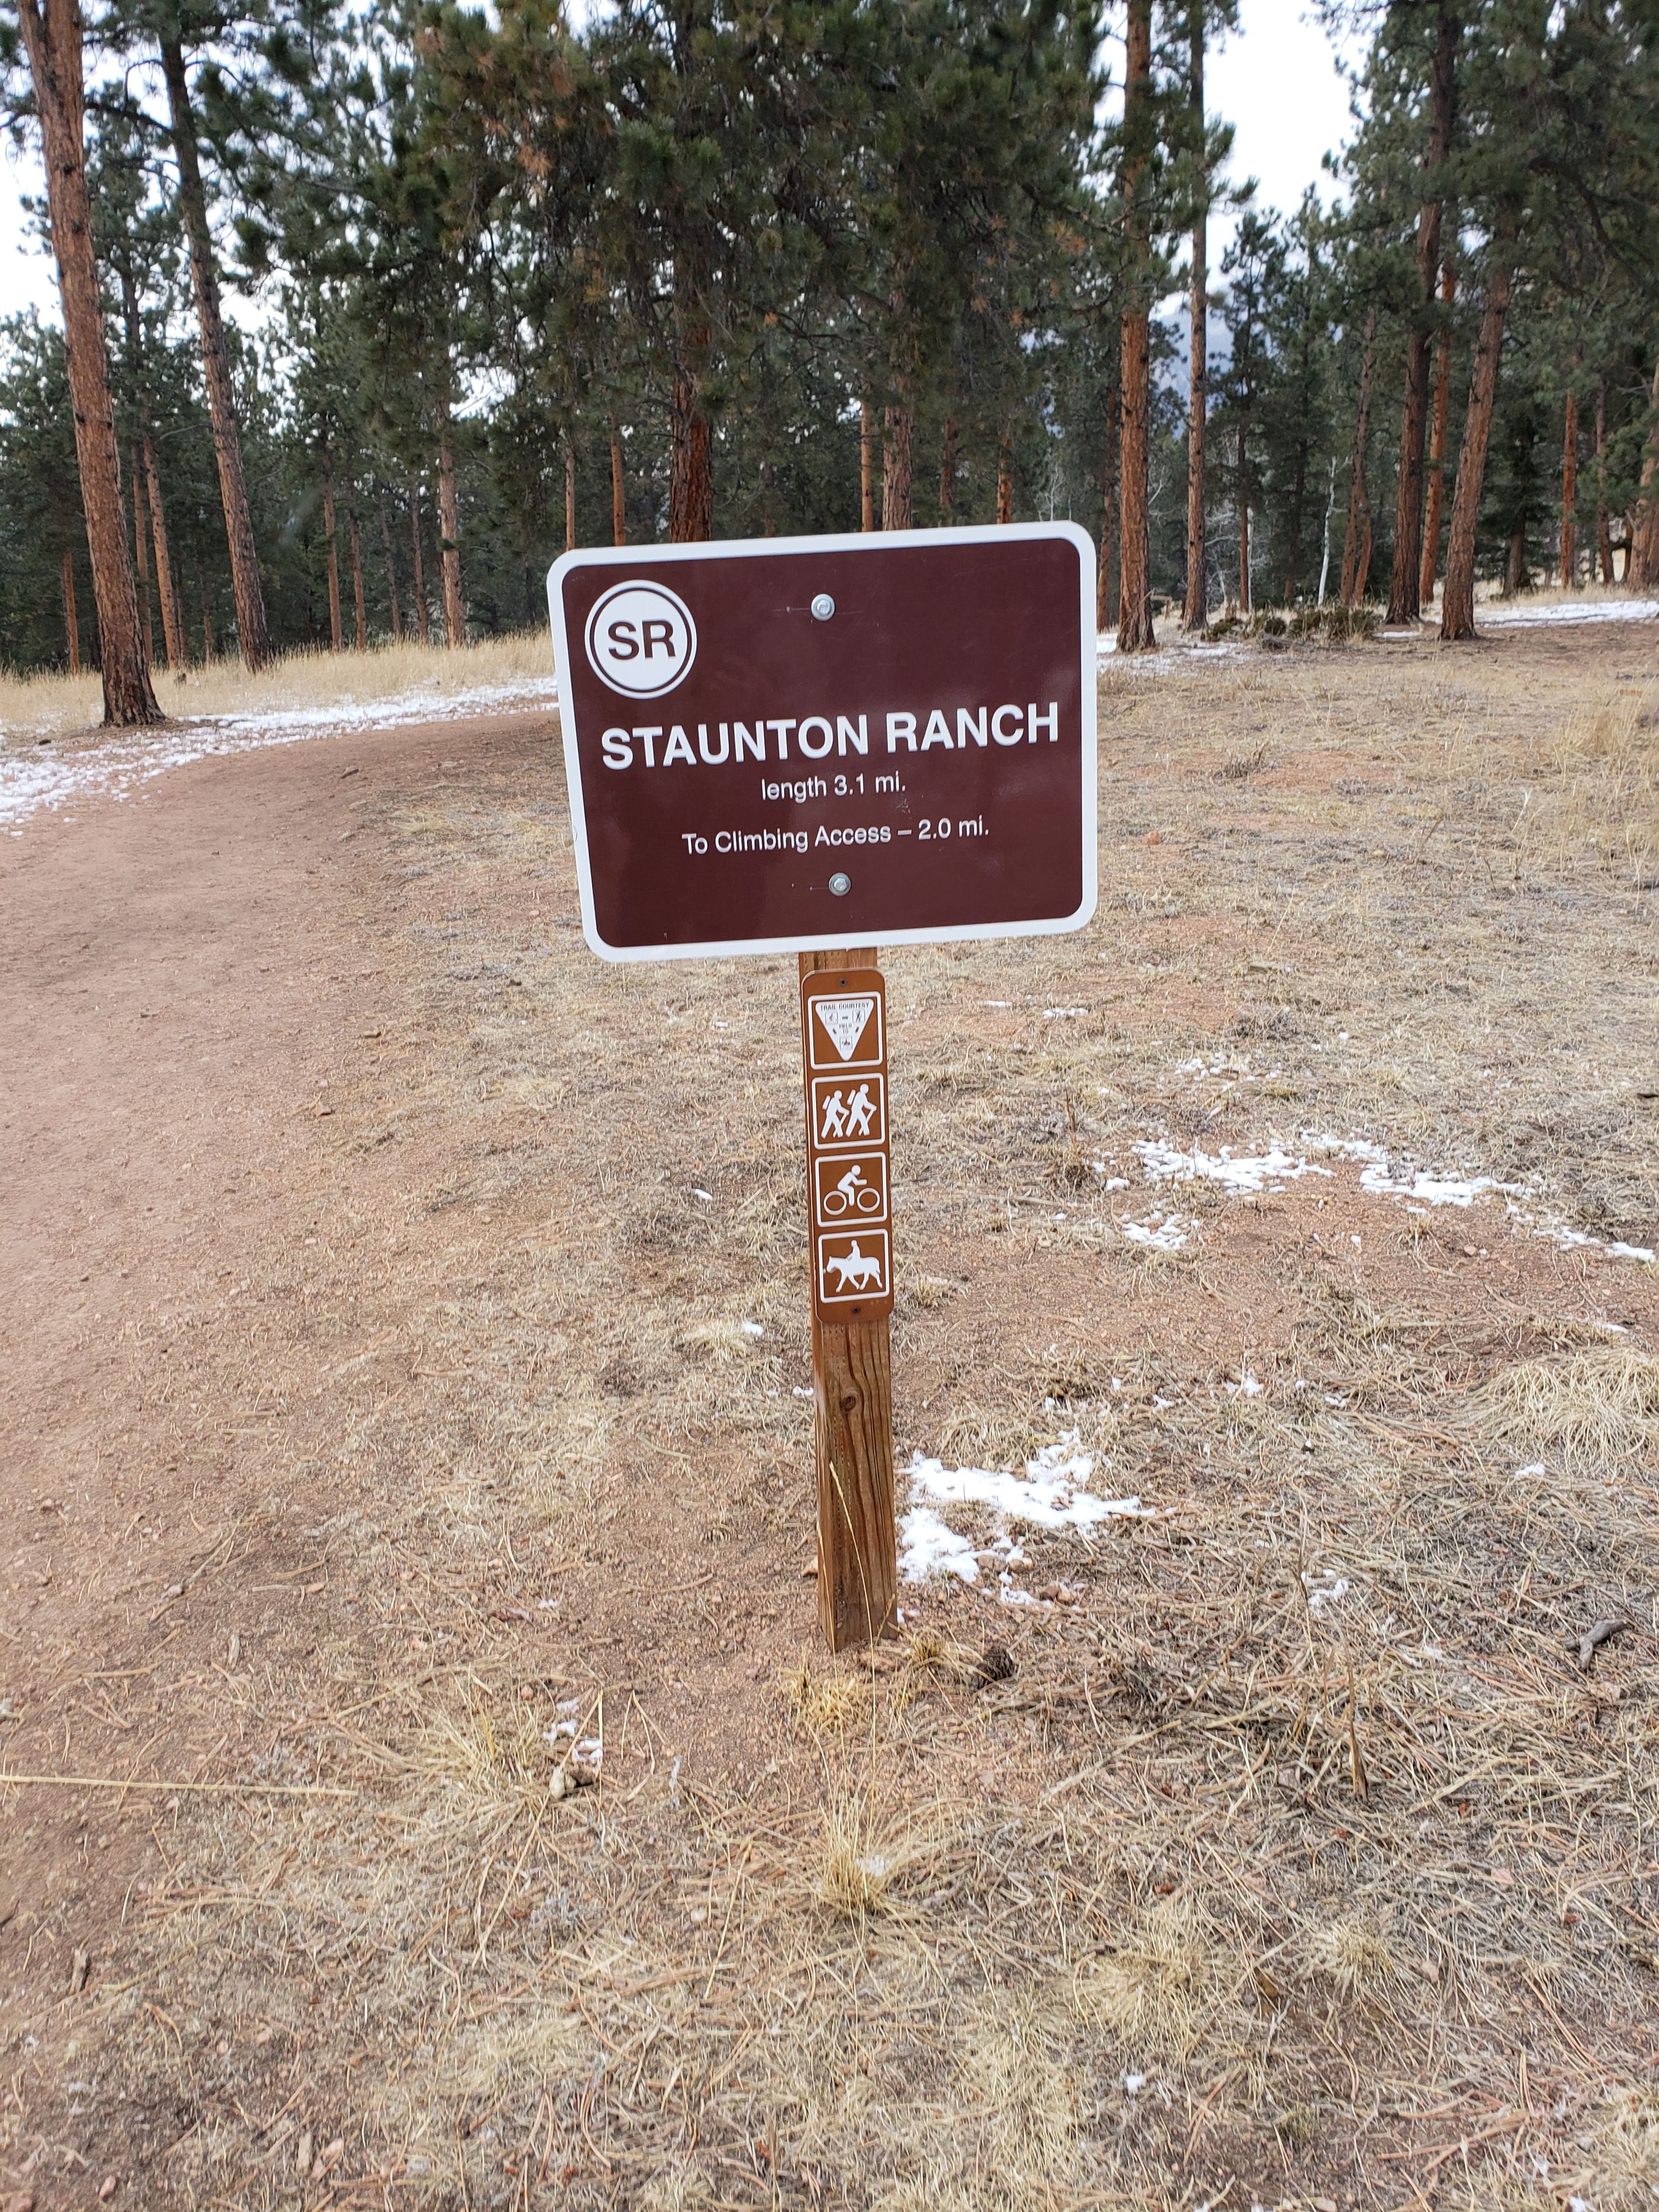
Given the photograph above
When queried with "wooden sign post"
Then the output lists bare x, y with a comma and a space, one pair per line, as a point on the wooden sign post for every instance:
849, 1237
791, 744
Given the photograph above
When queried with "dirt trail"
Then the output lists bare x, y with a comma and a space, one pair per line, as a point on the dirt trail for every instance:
402, 1356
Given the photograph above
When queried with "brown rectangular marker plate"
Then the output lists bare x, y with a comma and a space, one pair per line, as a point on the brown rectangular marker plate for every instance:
849, 1190
793, 745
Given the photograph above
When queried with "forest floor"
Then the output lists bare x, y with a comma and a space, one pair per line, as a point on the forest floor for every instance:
403, 1375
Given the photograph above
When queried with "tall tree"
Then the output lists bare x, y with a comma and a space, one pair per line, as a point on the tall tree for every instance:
1135, 633
253, 634
53, 37
1405, 584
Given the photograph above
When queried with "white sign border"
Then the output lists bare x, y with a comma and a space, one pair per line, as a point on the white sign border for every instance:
645, 556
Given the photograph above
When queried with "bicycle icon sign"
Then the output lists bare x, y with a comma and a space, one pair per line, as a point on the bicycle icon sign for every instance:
850, 1186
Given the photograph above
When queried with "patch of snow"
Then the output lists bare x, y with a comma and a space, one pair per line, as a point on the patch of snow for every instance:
1269, 1171
1063, 1013
1324, 1590
37, 780
1563, 610
1051, 1494
1536, 1467
754, 1329
1246, 1387
1160, 1233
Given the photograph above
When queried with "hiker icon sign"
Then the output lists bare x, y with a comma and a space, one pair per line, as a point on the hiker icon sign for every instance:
849, 1111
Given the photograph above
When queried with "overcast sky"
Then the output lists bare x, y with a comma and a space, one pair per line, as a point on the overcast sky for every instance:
1275, 80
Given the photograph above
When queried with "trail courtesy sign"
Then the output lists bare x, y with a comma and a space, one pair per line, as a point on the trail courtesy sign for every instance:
789, 745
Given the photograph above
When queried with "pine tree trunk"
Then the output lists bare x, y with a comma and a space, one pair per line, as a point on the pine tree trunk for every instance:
141, 554
1569, 495
421, 614
619, 496
898, 427
1404, 602
1005, 478
1458, 601
1515, 562
1134, 614
391, 569
172, 620
216, 362
1358, 510
570, 498
357, 605
1106, 577
1603, 528
52, 36
1293, 523
72, 618
1442, 409
1642, 561
1243, 532
690, 481
867, 466
1366, 541
449, 531
947, 471
1196, 612
209, 644
335, 638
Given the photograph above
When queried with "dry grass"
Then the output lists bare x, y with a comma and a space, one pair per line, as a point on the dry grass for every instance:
1297, 1859
51, 706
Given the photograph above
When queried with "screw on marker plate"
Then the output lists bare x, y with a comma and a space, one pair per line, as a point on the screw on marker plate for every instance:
840, 885
822, 607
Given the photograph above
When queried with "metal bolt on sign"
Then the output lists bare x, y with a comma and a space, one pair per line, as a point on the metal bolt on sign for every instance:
780, 745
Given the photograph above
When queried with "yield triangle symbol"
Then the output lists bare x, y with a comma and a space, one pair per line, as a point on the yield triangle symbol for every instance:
845, 1021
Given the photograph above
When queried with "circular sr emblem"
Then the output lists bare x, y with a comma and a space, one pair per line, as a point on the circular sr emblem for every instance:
640, 639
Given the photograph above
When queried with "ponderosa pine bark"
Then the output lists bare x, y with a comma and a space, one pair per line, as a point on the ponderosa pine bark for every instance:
357, 607
1196, 612
618, 490
1458, 601
1442, 409
336, 639
216, 362
391, 569
898, 426
1358, 518
141, 554
570, 498
1569, 493
1603, 527
1106, 579
422, 617
449, 530
1243, 530
72, 618
1005, 476
947, 471
1135, 633
1405, 603
53, 38
167, 585
867, 466
1642, 563
691, 477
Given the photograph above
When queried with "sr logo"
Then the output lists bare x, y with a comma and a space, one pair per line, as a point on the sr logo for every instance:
640, 639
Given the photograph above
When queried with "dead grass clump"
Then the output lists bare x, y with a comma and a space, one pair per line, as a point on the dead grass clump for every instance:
1622, 2172
826, 1705
1018, 2065
490, 1753
1356, 1956
1161, 1987
1596, 1405
864, 1858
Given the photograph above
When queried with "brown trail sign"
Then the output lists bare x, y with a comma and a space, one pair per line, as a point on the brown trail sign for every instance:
776, 745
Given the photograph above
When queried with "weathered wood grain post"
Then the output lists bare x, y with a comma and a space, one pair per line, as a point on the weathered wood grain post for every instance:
850, 1250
